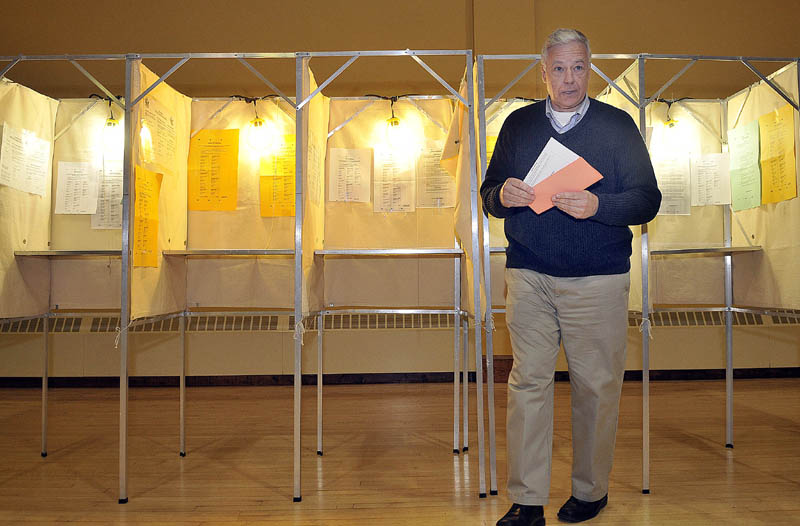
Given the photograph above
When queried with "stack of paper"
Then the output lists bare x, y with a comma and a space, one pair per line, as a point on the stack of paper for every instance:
558, 169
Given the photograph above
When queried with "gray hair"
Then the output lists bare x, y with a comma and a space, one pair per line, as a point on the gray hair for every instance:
565, 36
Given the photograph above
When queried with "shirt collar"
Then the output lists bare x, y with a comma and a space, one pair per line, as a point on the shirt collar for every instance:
580, 110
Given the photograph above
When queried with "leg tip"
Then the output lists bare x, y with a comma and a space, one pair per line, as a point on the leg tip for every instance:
456, 451
729, 446
44, 454
319, 453
482, 495
183, 453
123, 501
645, 492
465, 448
493, 492
297, 499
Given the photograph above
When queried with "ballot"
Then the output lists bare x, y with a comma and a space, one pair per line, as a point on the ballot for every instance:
558, 169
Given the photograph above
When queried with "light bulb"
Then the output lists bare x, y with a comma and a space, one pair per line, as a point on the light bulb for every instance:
257, 134
262, 137
146, 141
401, 139
113, 139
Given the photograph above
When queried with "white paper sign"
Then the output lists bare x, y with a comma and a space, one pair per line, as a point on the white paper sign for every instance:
436, 188
711, 180
76, 189
109, 201
395, 183
553, 158
161, 124
24, 160
350, 174
673, 178
314, 170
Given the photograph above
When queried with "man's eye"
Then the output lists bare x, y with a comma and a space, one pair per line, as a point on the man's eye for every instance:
578, 68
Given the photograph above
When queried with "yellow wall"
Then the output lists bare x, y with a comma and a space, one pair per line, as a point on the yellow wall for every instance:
709, 27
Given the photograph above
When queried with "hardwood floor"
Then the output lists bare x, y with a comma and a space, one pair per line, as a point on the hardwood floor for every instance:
388, 457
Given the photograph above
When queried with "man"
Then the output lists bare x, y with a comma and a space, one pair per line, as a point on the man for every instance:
567, 279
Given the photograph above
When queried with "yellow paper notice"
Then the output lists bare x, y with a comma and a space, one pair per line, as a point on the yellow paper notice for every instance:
213, 170
778, 180
491, 141
145, 220
277, 181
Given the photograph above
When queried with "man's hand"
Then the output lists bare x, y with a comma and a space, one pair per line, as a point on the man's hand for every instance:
516, 193
579, 205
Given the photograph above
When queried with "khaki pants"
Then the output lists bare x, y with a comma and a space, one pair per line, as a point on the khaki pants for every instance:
589, 315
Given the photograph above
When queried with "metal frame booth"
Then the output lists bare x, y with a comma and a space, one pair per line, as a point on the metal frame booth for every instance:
631, 92
139, 85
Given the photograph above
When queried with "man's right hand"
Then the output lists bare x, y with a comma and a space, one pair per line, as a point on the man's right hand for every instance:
516, 193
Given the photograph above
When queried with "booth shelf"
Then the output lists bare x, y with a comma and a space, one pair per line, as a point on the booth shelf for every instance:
229, 252
720, 251
68, 253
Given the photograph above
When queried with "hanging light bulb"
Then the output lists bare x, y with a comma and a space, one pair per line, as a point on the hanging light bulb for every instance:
670, 122
261, 135
674, 139
400, 137
113, 136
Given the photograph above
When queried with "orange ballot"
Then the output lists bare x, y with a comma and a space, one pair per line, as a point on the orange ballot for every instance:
558, 169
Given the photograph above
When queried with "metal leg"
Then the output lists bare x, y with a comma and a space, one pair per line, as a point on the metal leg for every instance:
123, 420
645, 306
301, 129
456, 345
645, 365
465, 383
319, 384
476, 273
298, 378
487, 280
728, 331
729, 379
45, 359
646, 408
479, 402
183, 385
456, 374
128, 195
490, 393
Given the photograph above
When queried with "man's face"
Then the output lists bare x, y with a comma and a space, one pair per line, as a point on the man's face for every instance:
566, 73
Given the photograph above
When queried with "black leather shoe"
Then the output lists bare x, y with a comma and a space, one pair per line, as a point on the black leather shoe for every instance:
521, 515
576, 510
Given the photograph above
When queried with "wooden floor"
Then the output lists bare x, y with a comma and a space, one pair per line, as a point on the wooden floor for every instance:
388, 457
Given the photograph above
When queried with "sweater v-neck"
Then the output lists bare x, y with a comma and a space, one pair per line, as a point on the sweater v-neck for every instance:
552, 131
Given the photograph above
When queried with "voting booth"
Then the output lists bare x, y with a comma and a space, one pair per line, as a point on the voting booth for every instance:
111, 231
727, 171
397, 251
293, 216
283, 214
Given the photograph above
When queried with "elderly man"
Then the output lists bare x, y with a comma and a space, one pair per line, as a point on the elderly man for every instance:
567, 279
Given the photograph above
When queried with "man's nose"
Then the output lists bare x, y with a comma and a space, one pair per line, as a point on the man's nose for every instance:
569, 76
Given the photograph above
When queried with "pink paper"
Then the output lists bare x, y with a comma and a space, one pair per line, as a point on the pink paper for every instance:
577, 175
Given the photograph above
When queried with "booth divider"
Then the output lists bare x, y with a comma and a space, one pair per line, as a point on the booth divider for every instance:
162, 261
634, 101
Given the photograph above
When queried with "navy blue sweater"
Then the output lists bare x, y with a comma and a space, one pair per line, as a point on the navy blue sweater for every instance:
553, 242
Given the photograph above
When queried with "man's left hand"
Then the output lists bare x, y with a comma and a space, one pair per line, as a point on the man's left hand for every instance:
579, 205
